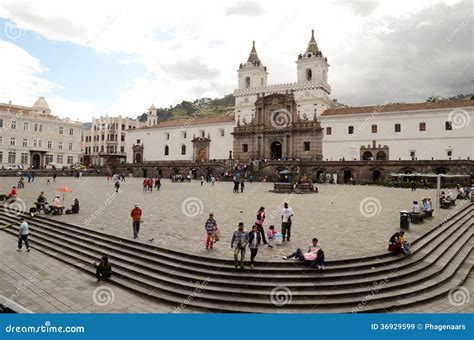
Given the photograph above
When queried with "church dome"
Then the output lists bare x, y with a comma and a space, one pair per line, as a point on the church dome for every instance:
41, 106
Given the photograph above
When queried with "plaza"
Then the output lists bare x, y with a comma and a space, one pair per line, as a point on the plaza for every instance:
348, 220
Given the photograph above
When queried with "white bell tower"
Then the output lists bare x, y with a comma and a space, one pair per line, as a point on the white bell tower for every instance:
312, 66
252, 74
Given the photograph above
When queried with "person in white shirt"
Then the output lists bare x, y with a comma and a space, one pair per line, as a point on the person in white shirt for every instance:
450, 195
286, 214
56, 202
416, 207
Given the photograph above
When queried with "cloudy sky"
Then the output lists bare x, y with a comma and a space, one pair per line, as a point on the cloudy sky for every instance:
90, 57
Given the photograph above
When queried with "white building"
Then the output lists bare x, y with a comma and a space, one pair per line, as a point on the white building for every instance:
105, 139
423, 131
33, 137
187, 139
311, 89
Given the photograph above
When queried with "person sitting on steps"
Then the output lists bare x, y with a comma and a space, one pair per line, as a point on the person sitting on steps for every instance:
103, 269
314, 256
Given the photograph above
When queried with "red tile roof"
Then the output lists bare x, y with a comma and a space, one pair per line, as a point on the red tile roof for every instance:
191, 121
14, 108
448, 104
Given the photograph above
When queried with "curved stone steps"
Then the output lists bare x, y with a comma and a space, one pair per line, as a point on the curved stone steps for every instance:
223, 264
238, 278
226, 268
442, 256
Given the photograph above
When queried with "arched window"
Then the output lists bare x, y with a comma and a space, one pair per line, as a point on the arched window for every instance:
167, 150
247, 82
183, 149
367, 156
309, 74
381, 156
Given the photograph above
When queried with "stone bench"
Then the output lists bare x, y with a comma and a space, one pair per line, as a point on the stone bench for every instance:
428, 213
416, 217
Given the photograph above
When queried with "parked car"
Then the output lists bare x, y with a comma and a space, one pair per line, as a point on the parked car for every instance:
78, 166
55, 166
15, 167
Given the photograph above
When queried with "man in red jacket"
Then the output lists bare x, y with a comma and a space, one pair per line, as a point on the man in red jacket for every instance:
136, 215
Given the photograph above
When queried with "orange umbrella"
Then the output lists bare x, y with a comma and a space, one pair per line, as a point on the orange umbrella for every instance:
63, 189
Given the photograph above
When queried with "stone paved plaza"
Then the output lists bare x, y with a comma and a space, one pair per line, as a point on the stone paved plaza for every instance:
348, 220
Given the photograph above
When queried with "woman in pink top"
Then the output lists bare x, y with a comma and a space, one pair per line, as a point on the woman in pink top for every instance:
259, 223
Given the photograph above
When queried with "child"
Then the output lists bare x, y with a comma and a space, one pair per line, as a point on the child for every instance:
405, 244
271, 235
211, 230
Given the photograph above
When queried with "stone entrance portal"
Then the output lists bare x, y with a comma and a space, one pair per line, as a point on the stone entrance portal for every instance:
276, 150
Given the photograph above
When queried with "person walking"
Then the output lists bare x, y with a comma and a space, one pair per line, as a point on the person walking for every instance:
286, 214
23, 234
254, 241
211, 228
242, 184
236, 184
202, 180
239, 243
145, 184
136, 215
117, 186
259, 223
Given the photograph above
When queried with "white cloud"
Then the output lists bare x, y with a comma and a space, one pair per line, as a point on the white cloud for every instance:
193, 48
21, 75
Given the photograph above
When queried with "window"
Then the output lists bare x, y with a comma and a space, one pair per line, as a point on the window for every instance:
40, 143
102, 137
59, 159
185, 135
309, 74
60, 145
25, 126
25, 142
12, 157
350, 130
412, 154
167, 135
167, 150
123, 126
70, 159
183, 149
203, 133
36, 127
1, 142
1, 156
122, 149
122, 138
50, 144
328, 130
307, 146
245, 147
1, 125
398, 127
24, 158
450, 153
374, 128
70, 146
41, 128
138, 141
13, 124
49, 159
222, 131
448, 126
247, 82
35, 143
71, 132
422, 126
12, 141
61, 130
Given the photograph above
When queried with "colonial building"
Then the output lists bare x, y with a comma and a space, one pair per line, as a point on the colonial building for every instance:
33, 137
311, 89
103, 141
276, 131
189, 139
424, 131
